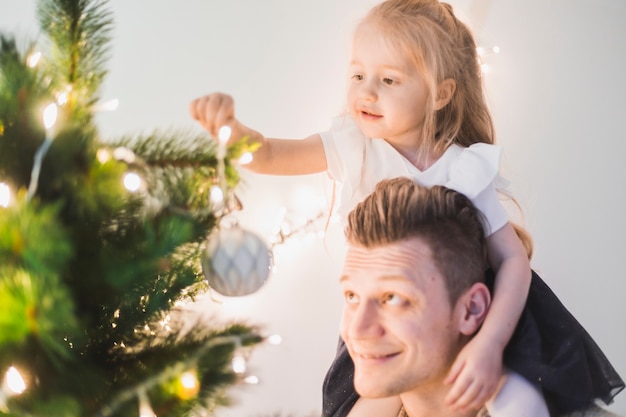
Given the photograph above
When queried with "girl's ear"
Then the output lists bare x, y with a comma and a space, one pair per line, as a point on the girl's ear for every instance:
473, 307
445, 91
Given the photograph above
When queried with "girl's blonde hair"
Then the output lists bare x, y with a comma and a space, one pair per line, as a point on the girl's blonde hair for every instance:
441, 47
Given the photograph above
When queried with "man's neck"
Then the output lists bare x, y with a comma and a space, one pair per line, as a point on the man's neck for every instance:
432, 405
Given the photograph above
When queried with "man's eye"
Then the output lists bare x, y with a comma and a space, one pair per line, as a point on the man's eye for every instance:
351, 298
392, 299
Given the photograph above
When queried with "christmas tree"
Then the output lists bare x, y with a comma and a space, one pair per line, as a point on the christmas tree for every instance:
102, 241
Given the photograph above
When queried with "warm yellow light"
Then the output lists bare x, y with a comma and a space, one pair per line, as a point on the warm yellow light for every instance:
132, 181
14, 381
103, 155
5, 195
189, 380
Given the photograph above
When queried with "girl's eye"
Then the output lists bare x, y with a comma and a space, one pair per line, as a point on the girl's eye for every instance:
357, 77
351, 298
388, 81
392, 299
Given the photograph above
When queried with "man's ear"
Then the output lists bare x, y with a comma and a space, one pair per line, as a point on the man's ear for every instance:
445, 91
473, 306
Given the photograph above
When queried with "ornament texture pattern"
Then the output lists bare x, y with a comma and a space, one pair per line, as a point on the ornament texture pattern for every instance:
237, 262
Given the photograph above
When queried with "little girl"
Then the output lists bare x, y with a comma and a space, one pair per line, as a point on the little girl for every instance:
416, 108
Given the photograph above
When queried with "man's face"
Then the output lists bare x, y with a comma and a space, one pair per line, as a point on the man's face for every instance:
397, 320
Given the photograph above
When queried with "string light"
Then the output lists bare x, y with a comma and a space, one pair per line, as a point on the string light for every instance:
189, 385
216, 196
5, 195
12, 385
245, 159
49, 119
33, 59
482, 51
132, 181
108, 105
251, 379
275, 339
238, 363
14, 381
103, 155
145, 409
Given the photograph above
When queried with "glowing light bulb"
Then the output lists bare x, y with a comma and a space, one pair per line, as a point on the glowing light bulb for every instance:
5, 195
145, 409
33, 59
239, 364
14, 381
109, 105
216, 195
251, 379
224, 134
246, 158
496, 49
189, 385
50, 115
132, 182
189, 380
103, 155
275, 339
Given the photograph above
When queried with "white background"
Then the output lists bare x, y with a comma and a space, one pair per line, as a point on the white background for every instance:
558, 96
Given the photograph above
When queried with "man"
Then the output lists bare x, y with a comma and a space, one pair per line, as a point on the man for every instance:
413, 282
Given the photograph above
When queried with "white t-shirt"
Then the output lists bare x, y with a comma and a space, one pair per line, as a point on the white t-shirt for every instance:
358, 163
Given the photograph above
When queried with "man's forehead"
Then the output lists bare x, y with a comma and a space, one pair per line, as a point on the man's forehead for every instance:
397, 257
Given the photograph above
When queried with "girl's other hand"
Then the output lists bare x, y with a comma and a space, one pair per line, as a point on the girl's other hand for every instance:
475, 375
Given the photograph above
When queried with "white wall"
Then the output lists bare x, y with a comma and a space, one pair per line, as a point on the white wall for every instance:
558, 96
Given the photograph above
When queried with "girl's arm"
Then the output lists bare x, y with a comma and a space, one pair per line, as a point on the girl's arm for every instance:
275, 156
508, 257
477, 369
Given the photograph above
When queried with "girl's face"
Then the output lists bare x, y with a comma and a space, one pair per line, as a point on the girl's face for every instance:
387, 96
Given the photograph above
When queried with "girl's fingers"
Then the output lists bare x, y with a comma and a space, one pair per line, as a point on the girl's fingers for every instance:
458, 390
454, 372
468, 397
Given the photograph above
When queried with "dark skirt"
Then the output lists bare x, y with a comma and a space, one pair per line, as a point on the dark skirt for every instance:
549, 348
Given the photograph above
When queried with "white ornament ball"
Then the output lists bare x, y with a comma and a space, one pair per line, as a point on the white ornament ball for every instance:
237, 262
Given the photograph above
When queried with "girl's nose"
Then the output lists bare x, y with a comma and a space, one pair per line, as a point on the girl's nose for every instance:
369, 91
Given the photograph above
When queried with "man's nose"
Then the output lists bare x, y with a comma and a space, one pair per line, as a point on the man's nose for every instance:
364, 321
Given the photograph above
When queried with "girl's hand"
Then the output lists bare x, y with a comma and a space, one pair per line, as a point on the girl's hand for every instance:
216, 110
475, 375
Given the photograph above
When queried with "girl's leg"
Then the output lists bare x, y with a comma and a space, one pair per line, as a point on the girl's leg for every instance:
517, 398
